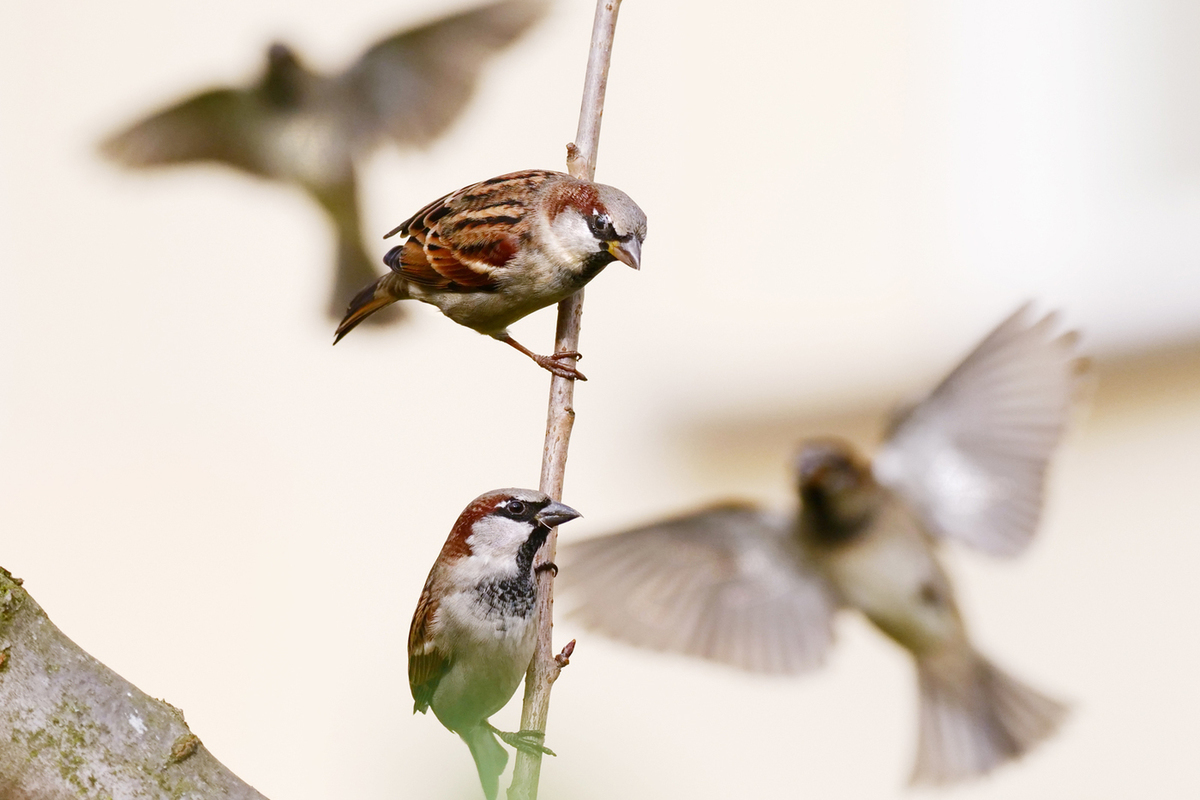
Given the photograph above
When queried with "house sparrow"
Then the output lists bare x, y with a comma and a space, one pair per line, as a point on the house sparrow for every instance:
474, 630
497, 250
757, 590
301, 127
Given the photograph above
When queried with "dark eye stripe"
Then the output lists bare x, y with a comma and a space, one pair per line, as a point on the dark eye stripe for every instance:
527, 511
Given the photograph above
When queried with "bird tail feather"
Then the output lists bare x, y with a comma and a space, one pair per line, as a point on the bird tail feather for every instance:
380, 294
975, 717
490, 758
353, 271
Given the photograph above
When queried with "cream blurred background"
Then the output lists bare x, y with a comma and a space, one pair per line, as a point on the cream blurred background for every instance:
843, 197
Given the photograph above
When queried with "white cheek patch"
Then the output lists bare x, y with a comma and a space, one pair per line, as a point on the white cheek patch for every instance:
571, 238
497, 539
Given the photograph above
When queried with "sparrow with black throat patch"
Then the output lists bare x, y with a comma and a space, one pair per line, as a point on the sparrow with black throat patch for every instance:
495, 251
475, 627
313, 130
744, 586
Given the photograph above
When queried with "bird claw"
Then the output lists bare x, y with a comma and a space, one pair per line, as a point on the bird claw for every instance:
553, 364
527, 741
548, 566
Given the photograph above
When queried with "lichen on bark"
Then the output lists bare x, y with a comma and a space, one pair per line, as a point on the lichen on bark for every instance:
72, 728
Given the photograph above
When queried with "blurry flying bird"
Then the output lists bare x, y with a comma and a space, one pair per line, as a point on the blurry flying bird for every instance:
310, 129
743, 586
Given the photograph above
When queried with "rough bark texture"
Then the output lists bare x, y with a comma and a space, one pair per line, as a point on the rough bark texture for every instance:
581, 163
72, 728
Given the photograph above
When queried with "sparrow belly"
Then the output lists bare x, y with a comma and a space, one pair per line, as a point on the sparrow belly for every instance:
492, 312
492, 651
890, 575
525, 285
307, 146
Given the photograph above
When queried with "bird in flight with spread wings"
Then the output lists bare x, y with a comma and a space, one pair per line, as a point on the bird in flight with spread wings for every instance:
758, 590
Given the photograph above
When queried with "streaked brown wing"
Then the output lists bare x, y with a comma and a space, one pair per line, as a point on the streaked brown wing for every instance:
971, 457
426, 663
726, 584
470, 268
459, 240
212, 126
409, 260
412, 85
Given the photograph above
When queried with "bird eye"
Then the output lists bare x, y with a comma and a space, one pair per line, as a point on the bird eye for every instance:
515, 507
602, 226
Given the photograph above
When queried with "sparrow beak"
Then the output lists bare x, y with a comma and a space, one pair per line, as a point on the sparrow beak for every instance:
556, 514
628, 253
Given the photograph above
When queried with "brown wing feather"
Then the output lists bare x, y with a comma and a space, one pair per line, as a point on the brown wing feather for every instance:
410, 261
426, 663
467, 269
459, 240
404, 227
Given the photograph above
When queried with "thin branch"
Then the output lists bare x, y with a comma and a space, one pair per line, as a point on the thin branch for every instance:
581, 163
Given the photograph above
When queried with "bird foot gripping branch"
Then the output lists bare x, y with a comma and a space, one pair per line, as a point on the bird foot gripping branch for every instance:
526, 741
553, 362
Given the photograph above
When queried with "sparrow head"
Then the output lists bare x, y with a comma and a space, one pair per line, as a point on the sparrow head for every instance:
503, 529
595, 223
837, 489
284, 75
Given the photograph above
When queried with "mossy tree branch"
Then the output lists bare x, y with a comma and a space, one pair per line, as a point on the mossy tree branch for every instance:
71, 728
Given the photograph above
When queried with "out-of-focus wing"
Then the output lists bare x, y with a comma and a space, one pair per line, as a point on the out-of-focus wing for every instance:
971, 457
211, 126
412, 85
727, 584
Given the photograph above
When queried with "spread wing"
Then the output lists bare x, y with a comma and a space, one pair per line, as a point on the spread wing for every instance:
460, 240
211, 126
412, 85
426, 663
726, 584
971, 457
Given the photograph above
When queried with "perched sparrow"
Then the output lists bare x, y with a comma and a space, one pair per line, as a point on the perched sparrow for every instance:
757, 590
474, 630
301, 127
497, 250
